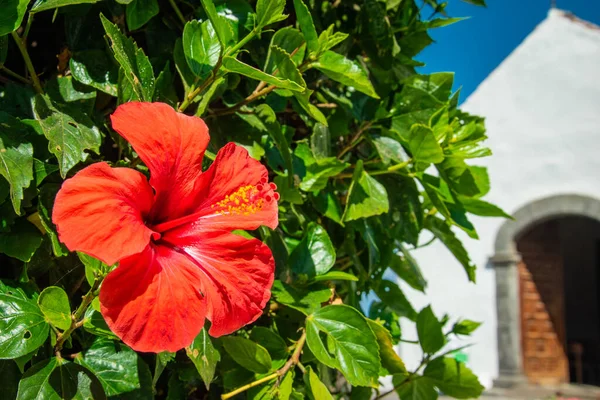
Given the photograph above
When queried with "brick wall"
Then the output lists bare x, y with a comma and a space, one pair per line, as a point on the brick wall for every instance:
543, 333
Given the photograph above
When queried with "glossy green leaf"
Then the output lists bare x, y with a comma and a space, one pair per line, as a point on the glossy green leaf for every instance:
69, 133
139, 12
431, 337
453, 378
269, 12
393, 297
94, 68
12, 15
415, 388
366, 196
54, 304
328, 205
43, 5
22, 241
23, 327
482, 208
204, 356
329, 39
389, 150
92, 265
315, 254
345, 71
201, 47
231, 64
136, 67
306, 301
443, 232
94, 323
41, 170
16, 158
285, 66
316, 389
274, 344
306, 25
465, 327
407, 269
390, 361
424, 146
219, 23
119, 369
351, 345
285, 387
57, 378
248, 354
317, 171
335, 276
291, 41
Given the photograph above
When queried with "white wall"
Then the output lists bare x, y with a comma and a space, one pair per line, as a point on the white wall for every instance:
542, 109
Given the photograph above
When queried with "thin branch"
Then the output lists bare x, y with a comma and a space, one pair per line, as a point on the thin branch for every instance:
13, 74
293, 360
355, 139
178, 12
23, 49
247, 100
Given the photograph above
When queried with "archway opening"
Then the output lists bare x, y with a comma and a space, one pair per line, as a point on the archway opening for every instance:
559, 282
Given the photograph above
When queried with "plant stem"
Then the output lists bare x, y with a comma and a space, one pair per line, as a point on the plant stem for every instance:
195, 92
178, 12
294, 360
23, 49
241, 43
14, 75
27, 27
355, 139
246, 101
76, 321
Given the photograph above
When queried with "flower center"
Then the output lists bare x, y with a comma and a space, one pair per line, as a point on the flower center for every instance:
245, 201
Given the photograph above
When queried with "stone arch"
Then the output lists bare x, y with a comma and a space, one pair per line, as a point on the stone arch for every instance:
505, 262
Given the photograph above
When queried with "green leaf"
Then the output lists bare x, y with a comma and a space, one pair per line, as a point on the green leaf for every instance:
16, 158
482, 208
22, 325
183, 69
57, 378
390, 362
316, 389
69, 134
407, 269
208, 95
43, 5
285, 387
162, 359
248, 354
92, 265
22, 241
41, 170
389, 150
476, 2
54, 304
9, 378
219, 23
204, 356
345, 71
393, 297
335, 276
139, 12
317, 171
351, 345
328, 39
315, 254
47, 194
306, 25
274, 344
465, 327
95, 324
305, 301
416, 388
320, 141
285, 66
291, 41
431, 337
453, 378
424, 146
137, 70
443, 232
233, 65
120, 370
94, 68
201, 47
12, 15
482, 179
269, 12
329, 205
366, 196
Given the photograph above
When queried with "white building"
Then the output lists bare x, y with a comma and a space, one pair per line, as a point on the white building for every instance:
538, 277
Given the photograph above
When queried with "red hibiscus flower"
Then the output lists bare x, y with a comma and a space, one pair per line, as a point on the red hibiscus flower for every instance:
179, 263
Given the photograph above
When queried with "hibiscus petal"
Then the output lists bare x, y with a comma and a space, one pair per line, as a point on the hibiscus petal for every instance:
238, 274
152, 300
101, 211
172, 145
234, 194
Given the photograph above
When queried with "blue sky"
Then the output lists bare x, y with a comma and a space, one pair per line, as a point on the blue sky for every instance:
475, 47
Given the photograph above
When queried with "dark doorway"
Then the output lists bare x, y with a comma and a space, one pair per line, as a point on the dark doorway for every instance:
560, 304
